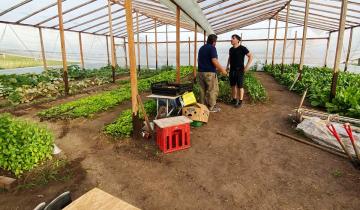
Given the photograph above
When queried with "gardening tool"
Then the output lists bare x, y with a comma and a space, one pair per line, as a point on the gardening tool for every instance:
352, 139
337, 137
144, 112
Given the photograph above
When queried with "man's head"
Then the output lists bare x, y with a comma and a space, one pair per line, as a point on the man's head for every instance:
235, 39
212, 39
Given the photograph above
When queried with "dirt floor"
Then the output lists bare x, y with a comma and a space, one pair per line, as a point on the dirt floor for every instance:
237, 161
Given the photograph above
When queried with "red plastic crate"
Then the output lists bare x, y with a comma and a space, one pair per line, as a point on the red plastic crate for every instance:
173, 138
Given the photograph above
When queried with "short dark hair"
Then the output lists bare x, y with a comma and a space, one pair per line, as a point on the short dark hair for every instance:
211, 39
236, 37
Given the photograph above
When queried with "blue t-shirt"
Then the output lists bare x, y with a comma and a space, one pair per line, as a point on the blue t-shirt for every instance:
206, 53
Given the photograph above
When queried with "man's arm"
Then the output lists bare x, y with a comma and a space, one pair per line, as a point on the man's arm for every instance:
249, 62
218, 66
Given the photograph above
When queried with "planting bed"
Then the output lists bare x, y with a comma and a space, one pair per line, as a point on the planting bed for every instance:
318, 80
236, 161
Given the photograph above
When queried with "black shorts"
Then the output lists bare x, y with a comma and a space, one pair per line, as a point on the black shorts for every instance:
236, 78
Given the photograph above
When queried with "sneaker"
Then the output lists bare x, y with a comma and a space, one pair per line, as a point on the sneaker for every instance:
238, 103
233, 101
215, 109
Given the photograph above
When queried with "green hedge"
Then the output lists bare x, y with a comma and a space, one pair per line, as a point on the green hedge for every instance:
23, 144
318, 80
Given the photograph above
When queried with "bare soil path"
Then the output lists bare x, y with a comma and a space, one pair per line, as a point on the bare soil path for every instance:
237, 161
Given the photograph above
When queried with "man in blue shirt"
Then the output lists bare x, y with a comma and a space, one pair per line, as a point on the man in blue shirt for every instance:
208, 65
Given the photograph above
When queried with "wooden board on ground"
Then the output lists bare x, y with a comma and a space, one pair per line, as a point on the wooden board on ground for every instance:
6, 182
172, 121
97, 199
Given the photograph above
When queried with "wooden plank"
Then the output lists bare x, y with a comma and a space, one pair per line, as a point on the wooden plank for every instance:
294, 51
285, 37
42, 49
65, 12
115, 51
126, 60
63, 48
138, 40
167, 45
327, 49
38, 11
97, 199
339, 47
15, 7
7, 182
267, 43
303, 44
274, 43
81, 52
178, 44
156, 45
172, 121
195, 50
107, 49
147, 52
131, 47
204, 37
189, 52
113, 57
349, 50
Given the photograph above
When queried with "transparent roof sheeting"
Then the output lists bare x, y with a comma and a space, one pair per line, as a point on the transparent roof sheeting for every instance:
91, 16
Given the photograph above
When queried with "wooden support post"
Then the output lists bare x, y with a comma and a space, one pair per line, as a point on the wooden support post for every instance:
189, 51
147, 52
107, 49
138, 39
204, 37
327, 49
349, 50
177, 44
267, 43
303, 44
241, 38
113, 57
156, 45
63, 49
126, 60
274, 43
285, 37
115, 51
195, 50
167, 46
339, 48
81, 52
294, 52
42, 49
131, 47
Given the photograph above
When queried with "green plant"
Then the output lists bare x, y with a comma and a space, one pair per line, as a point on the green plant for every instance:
123, 126
88, 106
318, 81
23, 144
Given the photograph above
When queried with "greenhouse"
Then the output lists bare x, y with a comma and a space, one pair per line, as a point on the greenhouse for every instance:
170, 104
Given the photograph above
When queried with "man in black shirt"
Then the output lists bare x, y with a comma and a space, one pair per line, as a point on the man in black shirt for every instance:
237, 69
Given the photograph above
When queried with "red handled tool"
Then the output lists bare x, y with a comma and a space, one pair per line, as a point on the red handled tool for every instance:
337, 137
352, 139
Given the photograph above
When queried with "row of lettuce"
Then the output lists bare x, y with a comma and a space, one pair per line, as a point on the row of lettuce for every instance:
318, 81
25, 144
24, 88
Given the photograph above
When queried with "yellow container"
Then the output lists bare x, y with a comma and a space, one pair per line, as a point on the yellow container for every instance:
188, 98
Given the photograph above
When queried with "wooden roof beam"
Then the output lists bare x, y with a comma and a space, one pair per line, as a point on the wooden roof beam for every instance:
15, 7
65, 12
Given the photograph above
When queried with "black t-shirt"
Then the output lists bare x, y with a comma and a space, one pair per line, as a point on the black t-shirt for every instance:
237, 57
